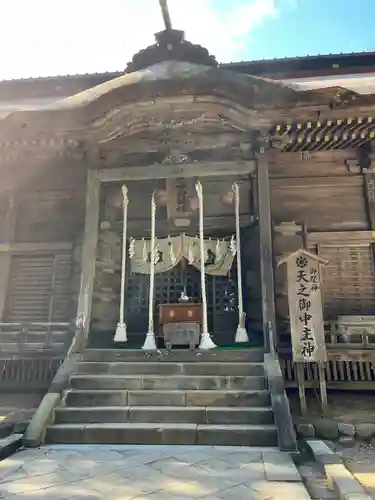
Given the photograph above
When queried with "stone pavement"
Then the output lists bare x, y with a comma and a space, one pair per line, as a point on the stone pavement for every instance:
150, 473
360, 460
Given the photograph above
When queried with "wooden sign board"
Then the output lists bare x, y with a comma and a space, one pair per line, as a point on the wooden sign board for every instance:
305, 306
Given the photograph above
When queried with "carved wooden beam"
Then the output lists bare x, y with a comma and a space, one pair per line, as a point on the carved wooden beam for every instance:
204, 169
141, 228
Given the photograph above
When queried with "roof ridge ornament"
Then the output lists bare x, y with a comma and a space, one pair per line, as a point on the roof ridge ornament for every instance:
170, 46
166, 15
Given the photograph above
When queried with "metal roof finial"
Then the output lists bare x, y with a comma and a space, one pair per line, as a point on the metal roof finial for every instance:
166, 15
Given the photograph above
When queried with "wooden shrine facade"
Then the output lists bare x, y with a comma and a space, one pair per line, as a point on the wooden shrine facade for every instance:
217, 179
303, 161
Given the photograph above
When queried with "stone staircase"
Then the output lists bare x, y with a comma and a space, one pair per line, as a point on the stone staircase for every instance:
182, 397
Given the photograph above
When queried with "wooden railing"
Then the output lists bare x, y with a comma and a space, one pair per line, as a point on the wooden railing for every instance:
22, 338
351, 359
31, 354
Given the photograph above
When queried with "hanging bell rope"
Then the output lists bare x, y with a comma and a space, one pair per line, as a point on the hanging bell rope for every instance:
206, 342
241, 333
150, 343
121, 335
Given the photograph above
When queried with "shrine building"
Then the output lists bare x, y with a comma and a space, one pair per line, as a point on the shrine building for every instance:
146, 212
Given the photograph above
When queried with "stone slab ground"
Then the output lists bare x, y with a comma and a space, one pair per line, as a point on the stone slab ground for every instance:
150, 473
360, 461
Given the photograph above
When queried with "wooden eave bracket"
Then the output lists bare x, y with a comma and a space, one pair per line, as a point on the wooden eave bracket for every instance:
353, 166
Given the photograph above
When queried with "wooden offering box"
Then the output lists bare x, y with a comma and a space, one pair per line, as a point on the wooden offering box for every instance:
180, 324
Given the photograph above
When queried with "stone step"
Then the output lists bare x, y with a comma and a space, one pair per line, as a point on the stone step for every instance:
177, 355
163, 434
169, 414
33, 337
102, 338
181, 382
145, 397
146, 367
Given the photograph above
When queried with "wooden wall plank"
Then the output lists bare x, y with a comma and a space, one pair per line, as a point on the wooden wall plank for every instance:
327, 163
53, 215
323, 204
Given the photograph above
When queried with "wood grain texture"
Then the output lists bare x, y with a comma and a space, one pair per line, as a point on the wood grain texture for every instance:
90, 239
266, 255
322, 203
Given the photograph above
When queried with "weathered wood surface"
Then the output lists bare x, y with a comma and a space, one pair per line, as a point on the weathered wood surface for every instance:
350, 359
349, 285
350, 261
317, 164
22, 340
42, 216
341, 373
266, 255
55, 215
319, 191
204, 169
339, 238
89, 248
34, 373
322, 203
7, 229
216, 190
369, 183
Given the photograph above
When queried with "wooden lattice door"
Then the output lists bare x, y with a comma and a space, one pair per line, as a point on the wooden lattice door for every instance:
221, 297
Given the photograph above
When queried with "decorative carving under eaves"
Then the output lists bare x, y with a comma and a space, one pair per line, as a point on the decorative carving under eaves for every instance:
170, 46
34, 152
176, 157
171, 123
364, 162
259, 143
353, 166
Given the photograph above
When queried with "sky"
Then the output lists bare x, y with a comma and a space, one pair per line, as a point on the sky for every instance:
49, 37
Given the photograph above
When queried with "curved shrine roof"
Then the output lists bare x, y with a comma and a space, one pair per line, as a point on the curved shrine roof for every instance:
255, 92
168, 77
75, 115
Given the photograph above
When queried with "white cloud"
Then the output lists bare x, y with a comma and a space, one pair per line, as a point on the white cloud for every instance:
42, 37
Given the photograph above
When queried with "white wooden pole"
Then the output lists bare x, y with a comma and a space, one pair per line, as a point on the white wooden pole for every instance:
206, 342
120, 335
241, 333
150, 343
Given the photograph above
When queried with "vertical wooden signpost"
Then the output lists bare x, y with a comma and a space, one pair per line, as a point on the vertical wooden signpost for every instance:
306, 318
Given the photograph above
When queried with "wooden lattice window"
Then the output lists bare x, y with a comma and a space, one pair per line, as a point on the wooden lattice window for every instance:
221, 295
38, 288
348, 280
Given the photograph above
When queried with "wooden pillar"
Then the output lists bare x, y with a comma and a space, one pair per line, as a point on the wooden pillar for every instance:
266, 255
6, 257
369, 180
89, 246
